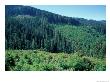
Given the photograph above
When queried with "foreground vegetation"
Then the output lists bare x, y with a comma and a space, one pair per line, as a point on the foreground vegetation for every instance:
36, 60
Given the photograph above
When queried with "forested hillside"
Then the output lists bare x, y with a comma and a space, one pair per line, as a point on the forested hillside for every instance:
28, 28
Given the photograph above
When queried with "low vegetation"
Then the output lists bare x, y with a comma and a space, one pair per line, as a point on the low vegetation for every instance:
36, 60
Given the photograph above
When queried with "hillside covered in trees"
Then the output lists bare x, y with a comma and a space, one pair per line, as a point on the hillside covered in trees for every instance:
28, 28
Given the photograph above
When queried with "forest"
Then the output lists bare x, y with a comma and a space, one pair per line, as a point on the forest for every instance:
40, 40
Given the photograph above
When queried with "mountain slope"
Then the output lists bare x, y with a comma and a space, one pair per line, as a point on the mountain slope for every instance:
31, 28
15, 10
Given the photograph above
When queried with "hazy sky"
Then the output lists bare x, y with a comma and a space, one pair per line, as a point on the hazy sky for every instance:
96, 12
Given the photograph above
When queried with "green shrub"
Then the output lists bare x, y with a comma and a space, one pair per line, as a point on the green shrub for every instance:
100, 67
49, 67
9, 63
65, 66
83, 64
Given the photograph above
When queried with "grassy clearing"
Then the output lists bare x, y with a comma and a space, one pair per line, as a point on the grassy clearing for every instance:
36, 60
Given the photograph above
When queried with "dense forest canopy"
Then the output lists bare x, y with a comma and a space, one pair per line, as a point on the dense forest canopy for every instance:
32, 28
